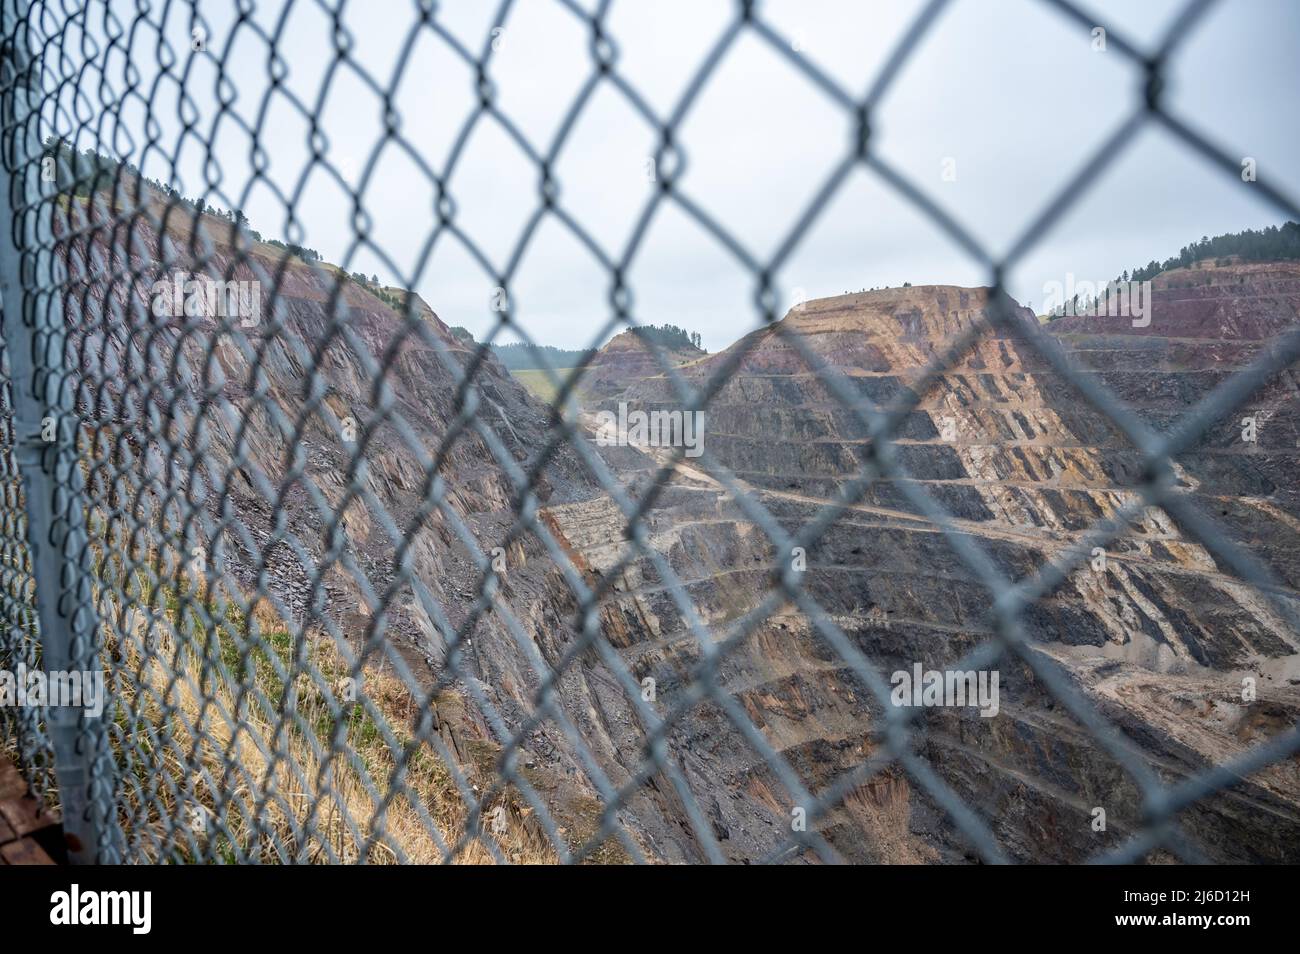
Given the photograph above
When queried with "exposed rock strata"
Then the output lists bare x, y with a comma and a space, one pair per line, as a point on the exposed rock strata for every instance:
1159, 641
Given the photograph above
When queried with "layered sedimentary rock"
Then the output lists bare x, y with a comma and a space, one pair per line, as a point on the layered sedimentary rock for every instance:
1207, 323
1159, 640
626, 358
1157, 634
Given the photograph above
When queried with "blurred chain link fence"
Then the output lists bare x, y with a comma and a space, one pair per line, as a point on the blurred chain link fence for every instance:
239, 727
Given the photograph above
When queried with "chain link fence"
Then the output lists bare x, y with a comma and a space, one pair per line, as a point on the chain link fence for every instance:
303, 663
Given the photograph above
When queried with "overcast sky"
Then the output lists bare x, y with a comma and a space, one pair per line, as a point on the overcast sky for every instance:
1010, 90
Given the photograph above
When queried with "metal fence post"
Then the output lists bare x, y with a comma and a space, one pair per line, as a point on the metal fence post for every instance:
45, 447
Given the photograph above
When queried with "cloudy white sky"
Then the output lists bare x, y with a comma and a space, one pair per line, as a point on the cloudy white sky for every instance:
1011, 90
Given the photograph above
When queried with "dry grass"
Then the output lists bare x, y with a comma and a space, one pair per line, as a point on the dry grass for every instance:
197, 750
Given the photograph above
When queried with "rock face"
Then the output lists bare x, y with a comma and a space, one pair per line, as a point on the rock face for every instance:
294, 472
1159, 640
1208, 322
1158, 637
626, 358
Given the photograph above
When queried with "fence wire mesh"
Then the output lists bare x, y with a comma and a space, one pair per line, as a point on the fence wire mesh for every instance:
285, 662
22, 726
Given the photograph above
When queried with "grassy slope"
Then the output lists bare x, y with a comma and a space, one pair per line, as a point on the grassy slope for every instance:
538, 384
